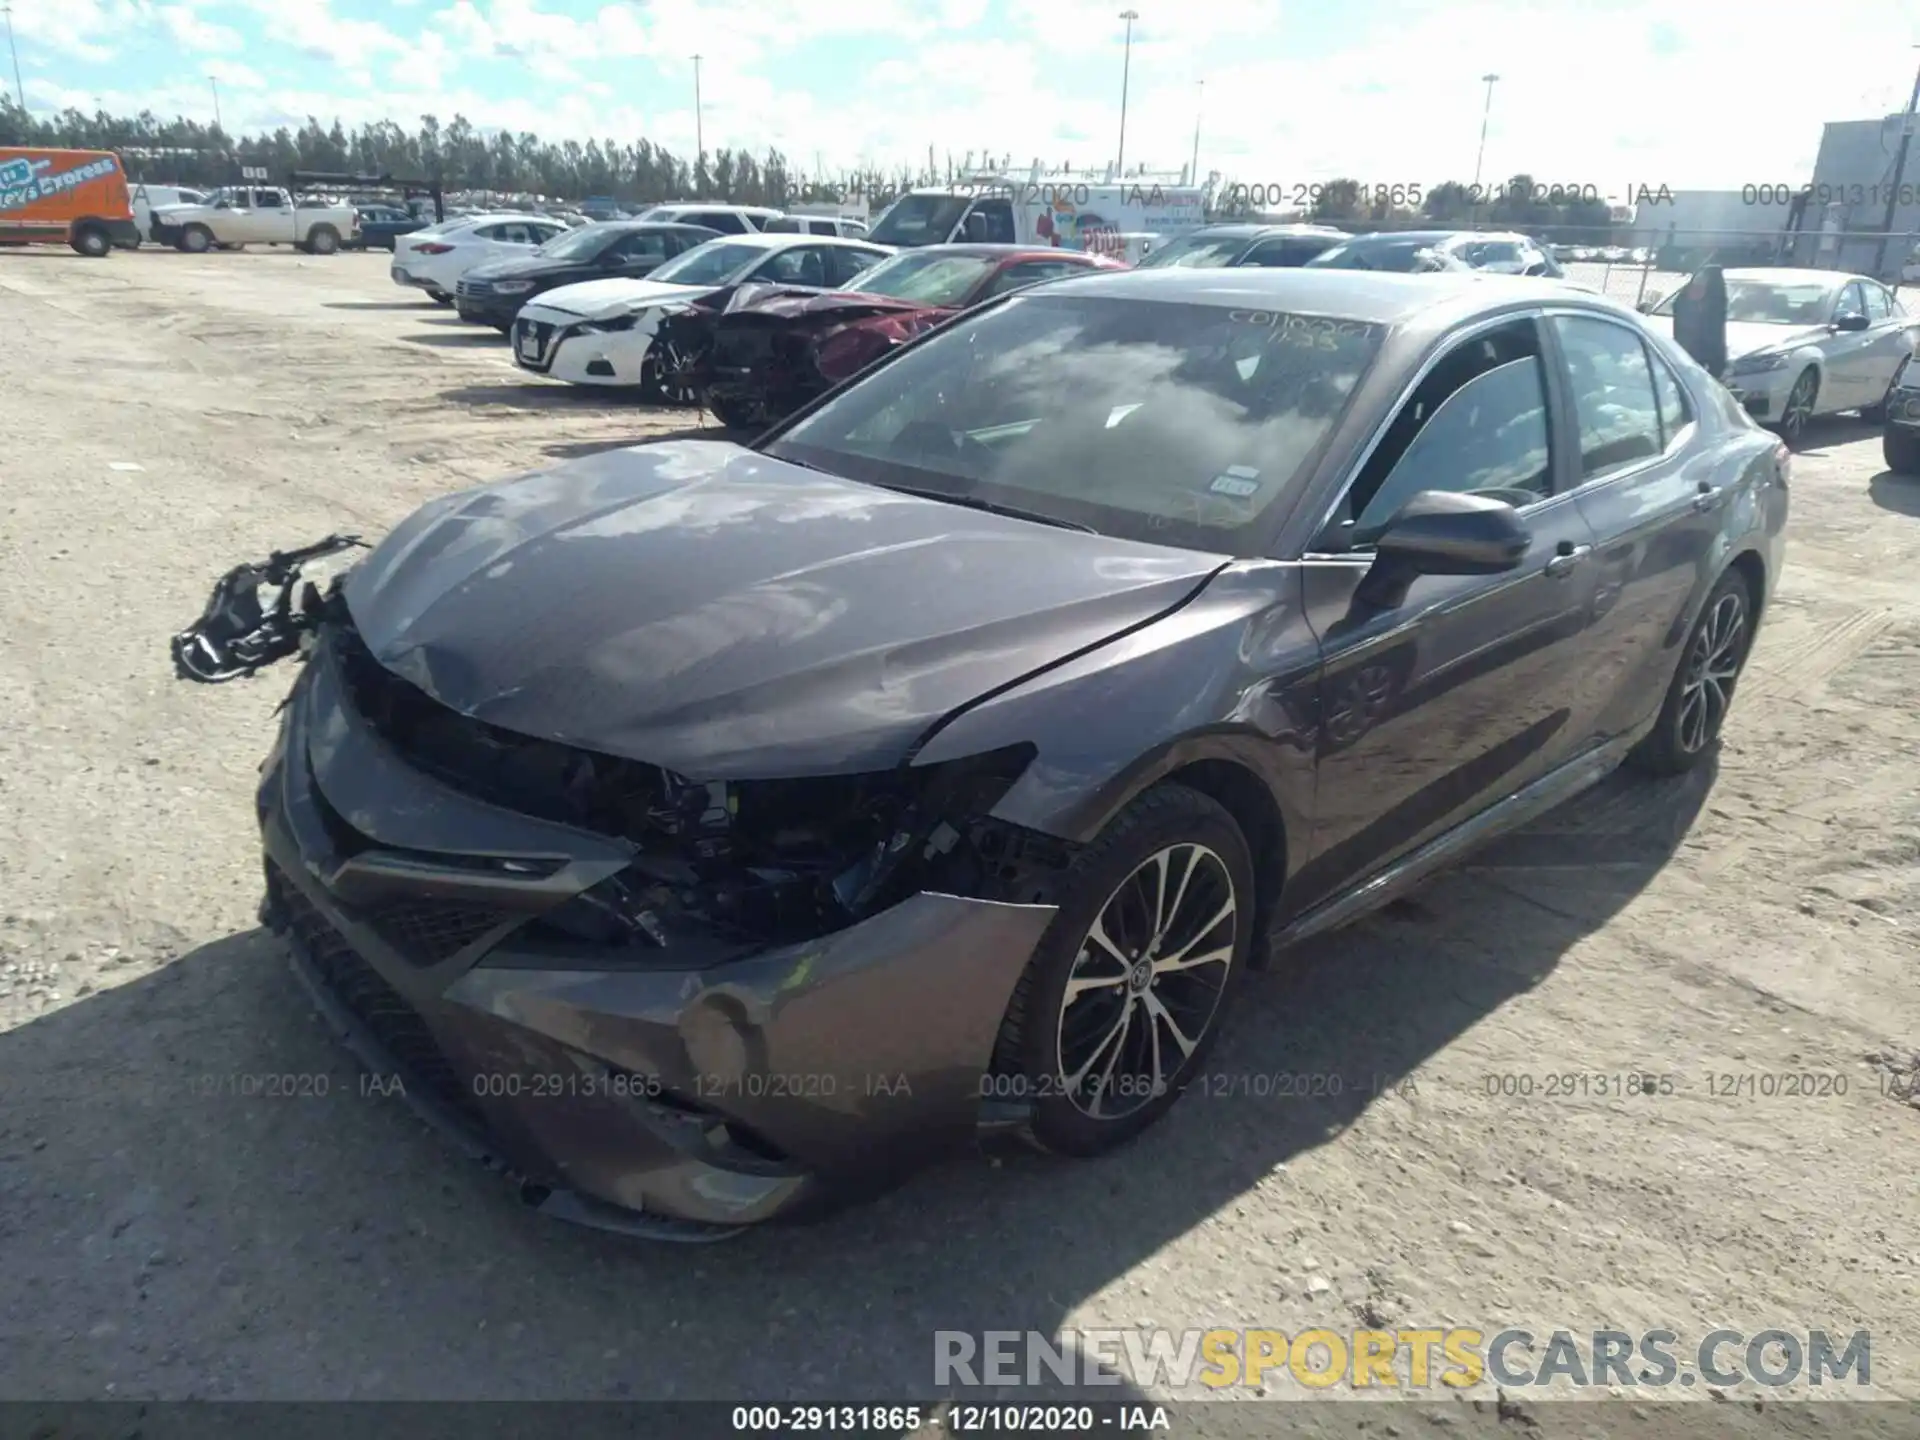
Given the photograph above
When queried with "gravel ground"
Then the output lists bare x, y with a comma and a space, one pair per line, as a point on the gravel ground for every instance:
163, 1235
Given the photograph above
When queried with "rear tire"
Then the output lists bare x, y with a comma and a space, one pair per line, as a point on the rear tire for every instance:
438, 298
1105, 1029
1701, 693
323, 240
735, 415
1901, 447
92, 242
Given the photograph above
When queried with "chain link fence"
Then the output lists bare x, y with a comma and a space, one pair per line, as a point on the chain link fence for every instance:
1634, 263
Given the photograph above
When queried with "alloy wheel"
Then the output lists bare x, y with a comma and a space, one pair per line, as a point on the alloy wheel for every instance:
670, 359
1147, 981
1713, 666
1799, 408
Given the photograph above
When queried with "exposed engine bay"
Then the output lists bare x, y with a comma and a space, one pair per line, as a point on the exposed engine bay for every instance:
758, 861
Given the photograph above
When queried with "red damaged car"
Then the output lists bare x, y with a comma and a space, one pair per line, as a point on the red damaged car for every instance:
775, 350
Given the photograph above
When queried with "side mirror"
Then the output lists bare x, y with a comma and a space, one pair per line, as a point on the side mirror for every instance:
1850, 323
1442, 532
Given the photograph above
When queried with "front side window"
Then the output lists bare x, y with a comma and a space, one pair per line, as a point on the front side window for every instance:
919, 220
1172, 423
1613, 394
1477, 424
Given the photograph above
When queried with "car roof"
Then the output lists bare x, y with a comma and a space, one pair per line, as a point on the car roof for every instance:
1260, 230
986, 250
1371, 296
782, 239
490, 217
668, 227
718, 205
1794, 276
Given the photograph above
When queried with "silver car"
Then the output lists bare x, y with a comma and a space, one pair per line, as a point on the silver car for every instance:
1802, 343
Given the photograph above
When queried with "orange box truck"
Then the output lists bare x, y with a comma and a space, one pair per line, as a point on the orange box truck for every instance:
65, 197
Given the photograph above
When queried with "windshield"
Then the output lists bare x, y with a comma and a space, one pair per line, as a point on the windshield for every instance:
1402, 256
1176, 424
1771, 302
713, 263
1197, 252
582, 244
925, 279
919, 220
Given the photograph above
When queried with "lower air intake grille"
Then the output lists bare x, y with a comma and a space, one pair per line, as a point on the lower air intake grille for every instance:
394, 1024
428, 931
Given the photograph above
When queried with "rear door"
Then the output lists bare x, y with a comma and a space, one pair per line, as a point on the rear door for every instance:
1472, 687
1893, 340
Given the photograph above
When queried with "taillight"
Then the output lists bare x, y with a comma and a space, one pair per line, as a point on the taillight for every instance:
433, 249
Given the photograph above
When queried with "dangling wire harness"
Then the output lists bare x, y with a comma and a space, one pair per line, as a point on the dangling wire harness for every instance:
237, 635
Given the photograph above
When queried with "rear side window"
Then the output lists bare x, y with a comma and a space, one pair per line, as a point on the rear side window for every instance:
725, 221
1676, 411
1613, 394
783, 225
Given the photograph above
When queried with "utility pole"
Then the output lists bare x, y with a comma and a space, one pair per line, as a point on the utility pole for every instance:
1199, 107
216, 103
1899, 174
1480, 155
1126, 65
19, 90
699, 137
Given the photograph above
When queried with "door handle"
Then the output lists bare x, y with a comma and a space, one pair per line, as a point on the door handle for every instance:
1708, 497
1569, 557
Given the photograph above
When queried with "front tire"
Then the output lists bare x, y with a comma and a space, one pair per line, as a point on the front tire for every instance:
734, 414
196, 240
1702, 690
1122, 1000
1798, 409
1901, 447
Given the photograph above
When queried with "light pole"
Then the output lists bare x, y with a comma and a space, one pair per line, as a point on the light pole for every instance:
1199, 108
1126, 65
699, 136
1899, 174
1480, 155
18, 89
215, 84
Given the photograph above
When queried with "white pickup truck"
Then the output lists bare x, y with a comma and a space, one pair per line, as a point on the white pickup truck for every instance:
249, 215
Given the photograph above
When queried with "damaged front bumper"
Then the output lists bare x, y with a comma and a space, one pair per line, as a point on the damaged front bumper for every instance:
706, 1088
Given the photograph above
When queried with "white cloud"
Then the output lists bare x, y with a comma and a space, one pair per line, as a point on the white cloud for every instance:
81, 29
186, 28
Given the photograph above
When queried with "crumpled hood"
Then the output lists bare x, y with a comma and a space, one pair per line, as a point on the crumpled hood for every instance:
602, 299
835, 304
1747, 337
700, 606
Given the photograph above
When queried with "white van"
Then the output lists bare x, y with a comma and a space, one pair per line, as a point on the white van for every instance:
145, 199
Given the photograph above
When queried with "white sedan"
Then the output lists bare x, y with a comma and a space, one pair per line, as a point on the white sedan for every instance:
434, 259
1802, 343
601, 332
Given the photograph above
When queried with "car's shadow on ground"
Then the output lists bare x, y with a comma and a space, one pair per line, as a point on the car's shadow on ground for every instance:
346, 1229
466, 337
1824, 432
1898, 493
423, 305
536, 394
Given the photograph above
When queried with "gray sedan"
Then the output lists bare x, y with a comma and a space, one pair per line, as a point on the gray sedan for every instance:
708, 832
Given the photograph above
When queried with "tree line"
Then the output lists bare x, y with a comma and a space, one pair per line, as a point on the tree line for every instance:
462, 157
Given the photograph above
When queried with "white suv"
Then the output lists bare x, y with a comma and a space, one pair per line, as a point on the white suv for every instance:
727, 219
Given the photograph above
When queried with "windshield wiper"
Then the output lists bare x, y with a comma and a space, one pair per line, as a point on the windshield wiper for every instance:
993, 507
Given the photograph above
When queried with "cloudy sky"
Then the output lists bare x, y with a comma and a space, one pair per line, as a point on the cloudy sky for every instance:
1700, 94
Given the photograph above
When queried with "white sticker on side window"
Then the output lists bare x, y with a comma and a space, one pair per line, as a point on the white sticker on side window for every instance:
1237, 480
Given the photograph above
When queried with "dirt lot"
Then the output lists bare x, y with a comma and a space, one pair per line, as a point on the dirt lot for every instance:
162, 417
